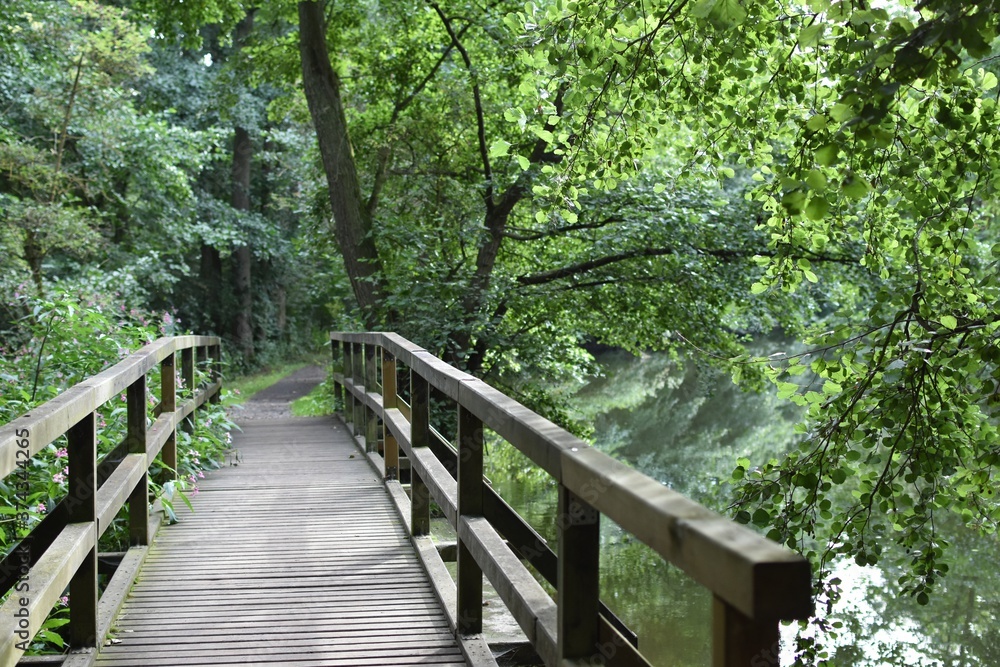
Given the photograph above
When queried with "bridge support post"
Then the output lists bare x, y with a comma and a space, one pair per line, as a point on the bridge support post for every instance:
82, 505
578, 578
371, 419
168, 403
187, 377
738, 641
470, 503
138, 500
357, 362
420, 499
215, 357
390, 446
337, 351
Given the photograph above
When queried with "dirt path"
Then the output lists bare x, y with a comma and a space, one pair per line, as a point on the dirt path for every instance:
275, 401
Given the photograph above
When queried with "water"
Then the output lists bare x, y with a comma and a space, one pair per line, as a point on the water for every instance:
686, 428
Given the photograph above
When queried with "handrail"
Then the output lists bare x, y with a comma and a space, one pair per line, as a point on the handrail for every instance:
62, 550
755, 582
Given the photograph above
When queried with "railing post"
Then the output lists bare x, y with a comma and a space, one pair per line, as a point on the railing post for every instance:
420, 501
371, 419
470, 503
738, 640
391, 447
578, 580
81, 503
357, 365
138, 501
215, 356
187, 377
338, 361
168, 404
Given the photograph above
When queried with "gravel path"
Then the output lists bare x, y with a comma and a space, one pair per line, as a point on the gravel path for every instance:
275, 401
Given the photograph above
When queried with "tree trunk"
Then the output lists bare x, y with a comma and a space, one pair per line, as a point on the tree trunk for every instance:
210, 275
242, 255
352, 221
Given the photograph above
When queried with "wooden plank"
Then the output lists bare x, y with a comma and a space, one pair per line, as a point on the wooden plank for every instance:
532, 608
22, 614
349, 589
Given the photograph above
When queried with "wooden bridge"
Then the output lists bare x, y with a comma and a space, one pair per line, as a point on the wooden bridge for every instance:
315, 549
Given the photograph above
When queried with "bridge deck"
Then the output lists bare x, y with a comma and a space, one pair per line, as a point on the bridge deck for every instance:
296, 556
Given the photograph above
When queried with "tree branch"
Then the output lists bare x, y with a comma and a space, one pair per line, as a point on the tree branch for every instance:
480, 120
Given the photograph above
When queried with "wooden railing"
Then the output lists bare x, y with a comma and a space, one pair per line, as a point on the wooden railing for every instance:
755, 582
61, 551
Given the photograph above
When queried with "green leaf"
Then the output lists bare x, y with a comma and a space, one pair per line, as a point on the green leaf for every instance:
949, 322
523, 162
811, 35
830, 387
827, 155
816, 208
703, 8
499, 148
758, 288
816, 180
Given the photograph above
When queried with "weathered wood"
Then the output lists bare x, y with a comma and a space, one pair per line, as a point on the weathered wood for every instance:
138, 501
578, 585
168, 403
22, 614
419, 433
738, 641
352, 592
532, 608
81, 504
470, 504
756, 578
389, 400
371, 414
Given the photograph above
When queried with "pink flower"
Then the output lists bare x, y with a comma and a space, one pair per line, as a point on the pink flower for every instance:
41, 508
65, 470
195, 490
167, 319
58, 478
61, 452
201, 475
64, 599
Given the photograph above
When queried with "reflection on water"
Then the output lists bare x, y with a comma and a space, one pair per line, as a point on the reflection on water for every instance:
685, 427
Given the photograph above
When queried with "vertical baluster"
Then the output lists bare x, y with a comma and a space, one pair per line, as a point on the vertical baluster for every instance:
738, 641
215, 361
420, 501
187, 376
338, 363
357, 366
81, 503
371, 418
389, 402
470, 503
138, 501
578, 578
168, 404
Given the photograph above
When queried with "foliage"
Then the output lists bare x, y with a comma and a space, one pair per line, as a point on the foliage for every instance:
54, 343
864, 131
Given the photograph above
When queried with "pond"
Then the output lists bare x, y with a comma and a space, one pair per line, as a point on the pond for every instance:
685, 426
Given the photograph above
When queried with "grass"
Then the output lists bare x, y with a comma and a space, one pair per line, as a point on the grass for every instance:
316, 403
242, 388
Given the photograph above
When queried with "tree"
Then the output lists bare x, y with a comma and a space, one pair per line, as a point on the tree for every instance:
866, 130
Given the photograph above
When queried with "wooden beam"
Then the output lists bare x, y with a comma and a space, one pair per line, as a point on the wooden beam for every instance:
470, 504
